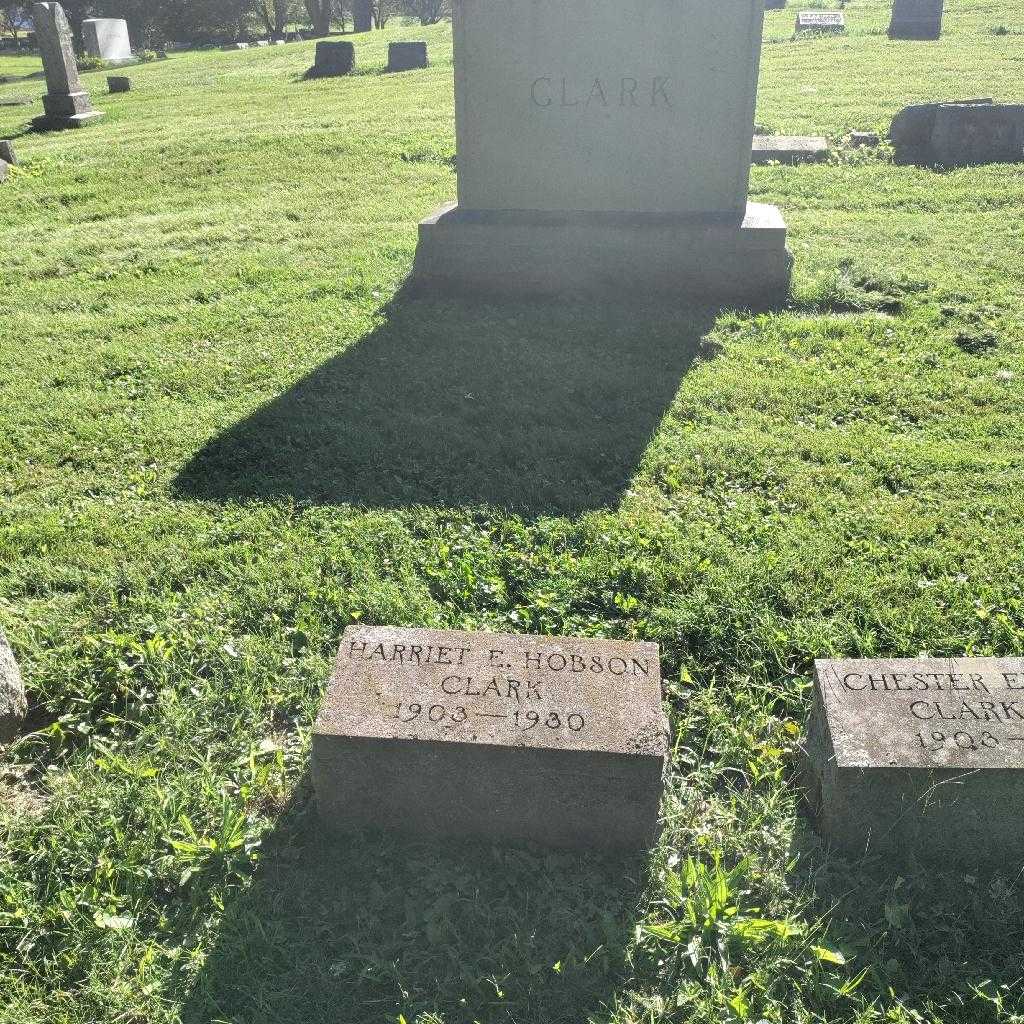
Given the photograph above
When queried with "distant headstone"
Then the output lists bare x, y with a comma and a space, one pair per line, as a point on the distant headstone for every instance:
13, 705
262, 42
789, 149
66, 103
117, 83
7, 153
550, 739
919, 758
332, 58
969, 134
235, 46
820, 21
582, 170
406, 56
916, 19
106, 38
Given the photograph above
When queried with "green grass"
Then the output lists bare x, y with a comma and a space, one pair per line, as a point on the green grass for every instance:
227, 434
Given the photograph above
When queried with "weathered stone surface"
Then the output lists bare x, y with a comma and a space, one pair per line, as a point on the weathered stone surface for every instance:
332, 58
965, 134
7, 152
3, 170
630, 124
911, 130
859, 140
919, 758
13, 705
549, 739
916, 19
66, 103
118, 83
789, 149
107, 38
406, 56
820, 21
774, 5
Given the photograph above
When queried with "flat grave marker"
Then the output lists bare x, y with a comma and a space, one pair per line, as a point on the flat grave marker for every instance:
551, 739
820, 21
919, 756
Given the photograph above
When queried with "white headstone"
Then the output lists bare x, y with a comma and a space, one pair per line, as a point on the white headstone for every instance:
106, 38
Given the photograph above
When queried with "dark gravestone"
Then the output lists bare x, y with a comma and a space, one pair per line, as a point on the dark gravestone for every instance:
912, 128
510, 738
966, 134
407, 56
66, 103
7, 153
118, 83
916, 19
332, 59
919, 758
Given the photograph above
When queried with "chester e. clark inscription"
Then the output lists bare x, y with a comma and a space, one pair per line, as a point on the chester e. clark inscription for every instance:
921, 756
550, 739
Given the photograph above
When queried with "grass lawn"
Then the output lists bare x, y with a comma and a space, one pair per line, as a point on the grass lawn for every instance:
226, 434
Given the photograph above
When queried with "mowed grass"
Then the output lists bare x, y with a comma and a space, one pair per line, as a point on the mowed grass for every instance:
227, 434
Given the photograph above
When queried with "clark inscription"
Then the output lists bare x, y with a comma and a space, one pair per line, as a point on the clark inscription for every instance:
628, 92
484, 734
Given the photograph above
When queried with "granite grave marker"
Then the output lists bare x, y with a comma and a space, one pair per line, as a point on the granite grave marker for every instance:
916, 19
66, 103
331, 59
919, 757
406, 56
107, 38
606, 148
551, 739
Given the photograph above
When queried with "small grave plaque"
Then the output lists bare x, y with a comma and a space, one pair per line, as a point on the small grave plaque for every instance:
789, 149
919, 757
820, 21
551, 739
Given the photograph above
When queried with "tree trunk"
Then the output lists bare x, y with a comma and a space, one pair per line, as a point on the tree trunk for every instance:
362, 15
319, 12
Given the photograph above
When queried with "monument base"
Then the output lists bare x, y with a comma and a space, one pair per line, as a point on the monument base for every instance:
718, 259
56, 121
66, 110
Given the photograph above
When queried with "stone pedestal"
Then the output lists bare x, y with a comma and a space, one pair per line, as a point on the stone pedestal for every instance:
606, 147
66, 103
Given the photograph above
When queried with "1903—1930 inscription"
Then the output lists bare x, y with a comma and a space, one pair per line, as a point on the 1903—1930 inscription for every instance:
923, 755
546, 738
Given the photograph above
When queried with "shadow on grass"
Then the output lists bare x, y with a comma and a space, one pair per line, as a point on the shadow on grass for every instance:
364, 928
541, 408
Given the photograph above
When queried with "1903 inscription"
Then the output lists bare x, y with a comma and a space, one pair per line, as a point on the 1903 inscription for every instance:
422, 684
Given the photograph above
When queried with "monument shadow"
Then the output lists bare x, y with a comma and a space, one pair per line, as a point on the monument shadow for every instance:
368, 926
542, 408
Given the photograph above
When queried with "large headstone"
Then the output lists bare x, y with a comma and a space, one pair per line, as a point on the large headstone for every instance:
919, 758
66, 103
331, 59
548, 739
983, 133
916, 19
406, 56
606, 147
107, 38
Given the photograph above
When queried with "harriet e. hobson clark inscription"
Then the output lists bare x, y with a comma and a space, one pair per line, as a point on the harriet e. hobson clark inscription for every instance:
919, 758
606, 147
550, 739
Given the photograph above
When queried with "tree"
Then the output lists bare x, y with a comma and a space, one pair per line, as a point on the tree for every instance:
13, 17
320, 12
275, 15
430, 12
362, 15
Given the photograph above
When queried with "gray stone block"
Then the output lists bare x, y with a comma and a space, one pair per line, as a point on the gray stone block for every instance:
107, 38
118, 83
3, 170
332, 59
919, 759
916, 19
965, 134
510, 738
13, 705
406, 56
789, 149
912, 128
7, 152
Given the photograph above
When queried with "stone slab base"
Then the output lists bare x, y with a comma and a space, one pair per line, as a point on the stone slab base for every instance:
789, 149
569, 799
717, 259
49, 122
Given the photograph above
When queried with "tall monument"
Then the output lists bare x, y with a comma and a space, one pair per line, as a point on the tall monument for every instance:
66, 103
605, 146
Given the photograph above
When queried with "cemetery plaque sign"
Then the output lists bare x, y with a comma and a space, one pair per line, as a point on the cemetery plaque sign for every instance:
821, 21
606, 147
919, 755
551, 739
